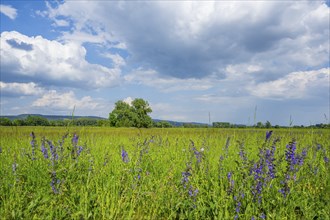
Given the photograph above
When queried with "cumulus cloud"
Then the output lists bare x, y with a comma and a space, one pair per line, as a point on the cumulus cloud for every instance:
51, 63
20, 89
197, 39
296, 85
9, 11
168, 83
65, 101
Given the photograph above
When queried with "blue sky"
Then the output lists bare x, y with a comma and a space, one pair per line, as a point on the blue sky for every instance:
187, 59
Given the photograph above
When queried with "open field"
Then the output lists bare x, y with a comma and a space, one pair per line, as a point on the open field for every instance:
177, 173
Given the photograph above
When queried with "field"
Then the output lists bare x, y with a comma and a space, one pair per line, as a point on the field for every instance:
177, 173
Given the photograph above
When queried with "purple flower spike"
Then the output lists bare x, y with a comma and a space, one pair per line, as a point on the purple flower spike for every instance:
124, 156
185, 178
33, 144
75, 139
80, 149
263, 216
268, 135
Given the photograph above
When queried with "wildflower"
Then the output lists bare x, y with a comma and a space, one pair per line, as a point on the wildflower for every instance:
0, 150
242, 152
262, 216
257, 188
75, 139
33, 144
61, 142
268, 135
269, 158
54, 182
80, 149
185, 178
53, 153
292, 159
44, 150
326, 159
192, 192
300, 158
198, 154
290, 155
124, 156
231, 182
238, 207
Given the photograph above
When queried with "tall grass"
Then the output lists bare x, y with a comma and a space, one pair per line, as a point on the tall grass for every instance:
105, 173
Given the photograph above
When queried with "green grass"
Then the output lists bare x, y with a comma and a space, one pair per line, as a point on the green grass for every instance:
97, 184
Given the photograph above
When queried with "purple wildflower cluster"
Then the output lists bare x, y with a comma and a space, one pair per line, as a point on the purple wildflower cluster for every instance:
320, 148
33, 145
185, 176
198, 155
55, 183
257, 171
263, 171
76, 150
268, 135
270, 162
124, 156
294, 162
53, 153
231, 183
44, 150
186, 183
238, 205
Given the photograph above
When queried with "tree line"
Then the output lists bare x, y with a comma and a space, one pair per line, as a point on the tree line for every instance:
134, 114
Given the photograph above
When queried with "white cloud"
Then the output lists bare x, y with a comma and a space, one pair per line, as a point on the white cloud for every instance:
167, 111
65, 101
196, 39
51, 62
20, 89
167, 83
296, 85
9, 11
117, 60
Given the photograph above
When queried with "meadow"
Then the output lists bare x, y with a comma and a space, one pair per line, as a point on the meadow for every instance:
173, 173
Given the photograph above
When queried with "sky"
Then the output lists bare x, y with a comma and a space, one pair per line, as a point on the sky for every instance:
212, 61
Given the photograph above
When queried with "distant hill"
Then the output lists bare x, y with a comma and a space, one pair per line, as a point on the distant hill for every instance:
65, 117
179, 124
49, 117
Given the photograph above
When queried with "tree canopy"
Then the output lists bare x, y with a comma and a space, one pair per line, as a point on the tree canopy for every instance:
134, 114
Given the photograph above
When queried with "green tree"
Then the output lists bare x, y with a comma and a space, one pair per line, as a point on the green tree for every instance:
260, 125
33, 120
163, 124
141, 108
122, 115
221, 125
134, 115
5, 122
268, 124
19, 122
